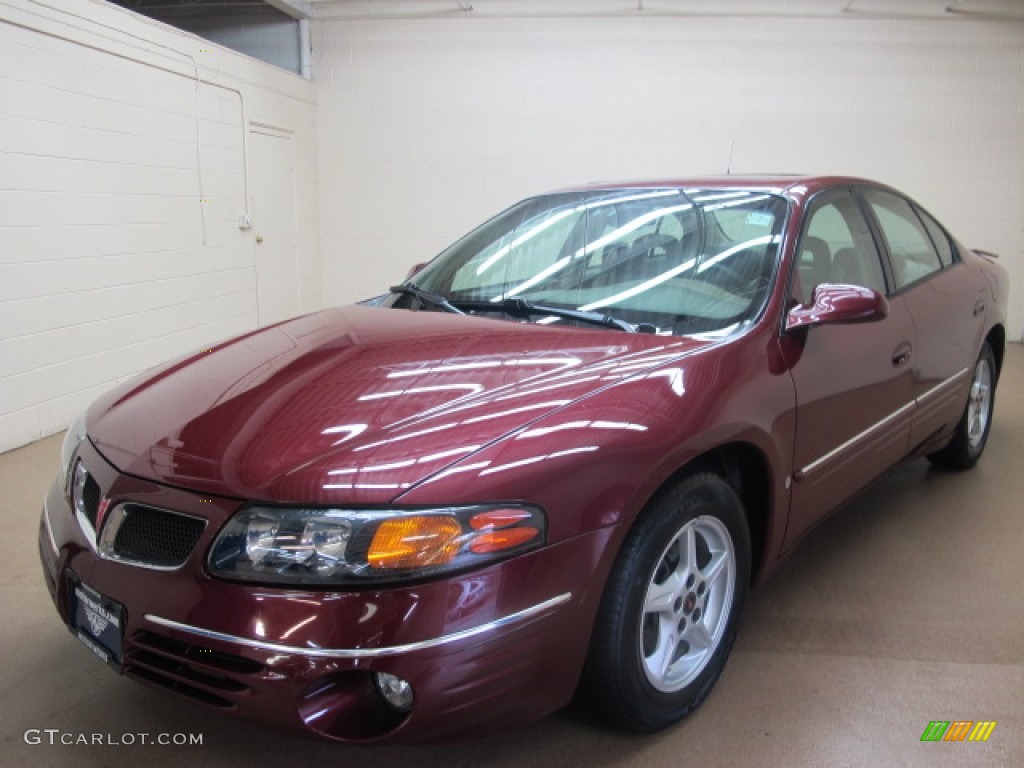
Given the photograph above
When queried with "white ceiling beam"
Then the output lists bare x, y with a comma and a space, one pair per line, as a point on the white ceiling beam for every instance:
297, 9
383, 9
911, 9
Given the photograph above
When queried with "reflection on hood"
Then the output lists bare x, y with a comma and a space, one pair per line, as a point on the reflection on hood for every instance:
353, 405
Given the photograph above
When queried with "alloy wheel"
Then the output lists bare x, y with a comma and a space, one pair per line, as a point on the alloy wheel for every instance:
979, 404
687, 604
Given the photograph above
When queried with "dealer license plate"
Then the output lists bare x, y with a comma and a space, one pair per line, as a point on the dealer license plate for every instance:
97, 621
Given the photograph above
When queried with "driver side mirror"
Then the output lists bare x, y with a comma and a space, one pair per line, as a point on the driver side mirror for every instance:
833, 303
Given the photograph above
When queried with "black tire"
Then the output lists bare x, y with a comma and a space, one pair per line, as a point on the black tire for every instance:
971, 436
620, 680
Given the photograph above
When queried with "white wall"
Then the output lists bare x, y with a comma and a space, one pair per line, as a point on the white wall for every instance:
110, 262
429, 125
122, 182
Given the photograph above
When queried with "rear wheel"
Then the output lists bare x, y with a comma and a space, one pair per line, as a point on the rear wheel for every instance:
669, 614
971, 435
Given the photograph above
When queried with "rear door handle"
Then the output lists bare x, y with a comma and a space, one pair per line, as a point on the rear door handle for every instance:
901, 355
979, 307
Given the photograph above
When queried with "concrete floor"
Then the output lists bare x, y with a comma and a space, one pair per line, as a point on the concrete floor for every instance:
904, 608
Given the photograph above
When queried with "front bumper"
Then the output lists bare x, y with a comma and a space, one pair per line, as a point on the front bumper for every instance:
483, 651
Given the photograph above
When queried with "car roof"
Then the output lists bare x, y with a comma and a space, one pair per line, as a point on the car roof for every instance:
793, 185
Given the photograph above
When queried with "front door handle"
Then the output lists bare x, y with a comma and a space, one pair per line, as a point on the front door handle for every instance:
979, 307
901, 355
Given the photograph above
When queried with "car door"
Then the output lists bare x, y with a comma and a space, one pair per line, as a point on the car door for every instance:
853, 382
946, 302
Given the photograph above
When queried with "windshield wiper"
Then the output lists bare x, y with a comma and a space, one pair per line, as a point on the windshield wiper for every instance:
523, 308
426, 297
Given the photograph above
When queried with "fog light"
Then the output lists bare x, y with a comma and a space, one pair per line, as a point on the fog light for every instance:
395, 691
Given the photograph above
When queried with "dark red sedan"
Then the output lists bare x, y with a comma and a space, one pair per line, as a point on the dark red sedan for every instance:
553, 460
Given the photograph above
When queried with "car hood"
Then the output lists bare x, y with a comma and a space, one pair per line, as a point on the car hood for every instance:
354, 405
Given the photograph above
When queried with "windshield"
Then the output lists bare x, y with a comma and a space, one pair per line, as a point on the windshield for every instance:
667, 261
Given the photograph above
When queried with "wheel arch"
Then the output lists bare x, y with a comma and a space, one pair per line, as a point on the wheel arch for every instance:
746, 468
996, 338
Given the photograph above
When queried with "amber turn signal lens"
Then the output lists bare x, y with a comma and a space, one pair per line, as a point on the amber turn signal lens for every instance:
498, 541
498, 518
415, 542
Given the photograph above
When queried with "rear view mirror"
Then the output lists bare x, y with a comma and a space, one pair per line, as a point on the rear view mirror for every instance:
839, 304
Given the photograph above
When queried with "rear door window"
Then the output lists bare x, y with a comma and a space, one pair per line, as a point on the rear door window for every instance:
939, 238
911, 251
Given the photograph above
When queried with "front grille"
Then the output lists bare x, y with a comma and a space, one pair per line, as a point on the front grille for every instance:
91, 500
200, 673
156, 537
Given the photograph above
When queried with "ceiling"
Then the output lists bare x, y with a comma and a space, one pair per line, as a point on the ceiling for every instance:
169, 10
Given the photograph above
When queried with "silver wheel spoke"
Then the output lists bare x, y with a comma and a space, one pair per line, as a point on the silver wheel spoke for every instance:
698, 636
660, 597
716, 568
667, 653
690, 550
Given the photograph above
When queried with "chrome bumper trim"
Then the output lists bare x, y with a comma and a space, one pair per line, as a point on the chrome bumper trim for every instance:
364, 653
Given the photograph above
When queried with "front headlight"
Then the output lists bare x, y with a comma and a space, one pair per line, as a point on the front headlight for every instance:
338, 546
72, 439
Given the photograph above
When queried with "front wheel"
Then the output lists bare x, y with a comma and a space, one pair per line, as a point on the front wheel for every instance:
669, 614
971, 434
